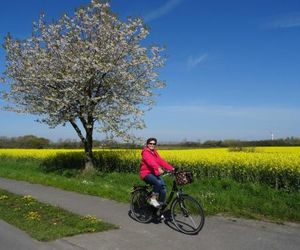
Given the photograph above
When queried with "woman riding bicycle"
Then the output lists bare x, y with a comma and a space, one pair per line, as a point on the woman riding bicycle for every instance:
152, 166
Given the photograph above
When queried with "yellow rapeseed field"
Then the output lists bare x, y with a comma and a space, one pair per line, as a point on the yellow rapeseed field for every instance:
34, 153
275, 166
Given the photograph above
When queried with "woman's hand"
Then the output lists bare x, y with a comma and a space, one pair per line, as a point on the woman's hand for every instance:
160, 170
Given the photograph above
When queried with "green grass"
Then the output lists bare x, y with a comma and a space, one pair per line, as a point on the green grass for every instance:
248, 200
225, 196
43, 221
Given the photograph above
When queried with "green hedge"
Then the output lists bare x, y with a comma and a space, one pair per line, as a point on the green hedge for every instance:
105, 161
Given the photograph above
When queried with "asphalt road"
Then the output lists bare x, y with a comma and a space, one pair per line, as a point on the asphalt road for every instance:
218, 232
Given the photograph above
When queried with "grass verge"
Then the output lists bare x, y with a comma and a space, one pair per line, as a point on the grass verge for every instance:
43, 221
225, 196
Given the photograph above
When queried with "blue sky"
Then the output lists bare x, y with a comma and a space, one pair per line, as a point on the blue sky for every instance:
233, 68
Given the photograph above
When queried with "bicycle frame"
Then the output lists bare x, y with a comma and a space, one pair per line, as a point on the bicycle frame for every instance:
174, 190
170, 198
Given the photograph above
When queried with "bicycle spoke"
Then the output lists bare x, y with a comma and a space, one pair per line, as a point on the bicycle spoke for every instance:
187, 215
140, 209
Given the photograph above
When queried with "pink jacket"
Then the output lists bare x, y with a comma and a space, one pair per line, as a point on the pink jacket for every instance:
151, 161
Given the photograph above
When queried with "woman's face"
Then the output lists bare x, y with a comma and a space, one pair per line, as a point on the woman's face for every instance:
151, 145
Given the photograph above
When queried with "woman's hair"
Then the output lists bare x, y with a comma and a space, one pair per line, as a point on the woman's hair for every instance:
151, 139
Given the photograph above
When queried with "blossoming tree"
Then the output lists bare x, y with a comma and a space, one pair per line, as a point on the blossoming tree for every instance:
89, 70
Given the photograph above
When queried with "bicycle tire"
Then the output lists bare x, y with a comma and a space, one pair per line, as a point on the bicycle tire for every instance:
141, 210
187, 214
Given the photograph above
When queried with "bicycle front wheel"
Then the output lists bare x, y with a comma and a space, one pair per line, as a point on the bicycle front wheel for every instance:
187, 214
141, 210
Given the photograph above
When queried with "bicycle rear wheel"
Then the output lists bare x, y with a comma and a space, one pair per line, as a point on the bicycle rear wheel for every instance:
141, 210
187, 214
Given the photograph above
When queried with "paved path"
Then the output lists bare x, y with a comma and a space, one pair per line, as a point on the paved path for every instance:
218, 232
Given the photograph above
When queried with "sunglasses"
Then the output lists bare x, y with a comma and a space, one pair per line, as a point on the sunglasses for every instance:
151, 143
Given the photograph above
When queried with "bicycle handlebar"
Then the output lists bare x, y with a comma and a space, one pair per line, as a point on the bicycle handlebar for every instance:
168, 172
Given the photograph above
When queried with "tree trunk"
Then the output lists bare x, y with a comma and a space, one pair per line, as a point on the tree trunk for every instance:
89, 162
88, 150
87, 142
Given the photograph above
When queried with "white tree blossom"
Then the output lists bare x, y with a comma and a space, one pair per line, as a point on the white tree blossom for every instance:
88, 69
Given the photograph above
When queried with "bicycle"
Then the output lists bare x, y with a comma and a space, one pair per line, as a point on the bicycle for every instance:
186, 212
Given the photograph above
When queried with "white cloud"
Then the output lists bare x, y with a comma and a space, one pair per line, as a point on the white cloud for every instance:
163, 10
194, 61
290, 20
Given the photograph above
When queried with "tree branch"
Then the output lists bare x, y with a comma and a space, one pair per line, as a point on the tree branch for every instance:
78, 131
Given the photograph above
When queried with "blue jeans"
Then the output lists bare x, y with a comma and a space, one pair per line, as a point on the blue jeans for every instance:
159, 186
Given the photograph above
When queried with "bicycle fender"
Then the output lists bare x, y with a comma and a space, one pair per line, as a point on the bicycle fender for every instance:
139, 187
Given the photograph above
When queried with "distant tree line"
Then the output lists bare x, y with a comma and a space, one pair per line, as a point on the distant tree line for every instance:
27, 141
289, 141
32, 141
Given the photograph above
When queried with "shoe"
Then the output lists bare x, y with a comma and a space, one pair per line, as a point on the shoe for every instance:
154, 202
